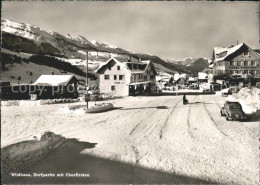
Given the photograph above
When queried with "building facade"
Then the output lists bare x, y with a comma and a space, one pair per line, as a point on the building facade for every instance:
236, 60
124, 76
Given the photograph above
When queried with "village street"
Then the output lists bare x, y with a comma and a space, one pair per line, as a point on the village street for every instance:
145, 140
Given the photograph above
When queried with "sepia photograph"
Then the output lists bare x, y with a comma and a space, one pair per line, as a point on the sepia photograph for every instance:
130, 92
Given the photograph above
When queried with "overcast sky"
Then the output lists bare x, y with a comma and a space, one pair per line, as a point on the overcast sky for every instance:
172, 30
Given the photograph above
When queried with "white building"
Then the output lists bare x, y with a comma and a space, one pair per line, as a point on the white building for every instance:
126, 76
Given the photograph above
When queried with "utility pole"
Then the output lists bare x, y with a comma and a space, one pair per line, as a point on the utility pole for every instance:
86, 98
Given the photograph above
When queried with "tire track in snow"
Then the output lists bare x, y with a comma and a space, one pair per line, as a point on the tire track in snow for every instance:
212, 120
189, 122
149, 128
137, 155
189, 126
166, 121
141, 121
131, 132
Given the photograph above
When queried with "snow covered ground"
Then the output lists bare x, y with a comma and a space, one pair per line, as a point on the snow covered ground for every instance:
159, 133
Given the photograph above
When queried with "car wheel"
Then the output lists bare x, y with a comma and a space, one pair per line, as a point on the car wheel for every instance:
221, 113
228, 118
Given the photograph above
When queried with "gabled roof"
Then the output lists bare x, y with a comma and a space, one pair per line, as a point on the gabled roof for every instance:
124, 61
54, 80
228, 51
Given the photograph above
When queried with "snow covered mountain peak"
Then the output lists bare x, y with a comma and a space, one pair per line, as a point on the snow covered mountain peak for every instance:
26, 31
94, 42
105, 44
68, 36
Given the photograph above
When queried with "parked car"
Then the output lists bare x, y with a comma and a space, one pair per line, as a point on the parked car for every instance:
233, 111
194, 87
169, 88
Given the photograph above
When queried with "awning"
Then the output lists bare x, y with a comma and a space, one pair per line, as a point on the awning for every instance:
140, 83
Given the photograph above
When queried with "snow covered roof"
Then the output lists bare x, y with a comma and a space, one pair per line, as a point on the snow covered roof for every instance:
202, 75
125, 61
140, 83
54, 80
221, 53
192, 79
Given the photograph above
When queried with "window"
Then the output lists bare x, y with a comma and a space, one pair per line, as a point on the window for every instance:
246, 53
113, 88
118, 67
115, 77
145, 77
234, 107
238, 63
106, 77
246, 72
232, 63
134, 77
135, 66
245, 63
121, 77
253, 63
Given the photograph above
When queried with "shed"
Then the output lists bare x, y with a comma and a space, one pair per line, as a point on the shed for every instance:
56, 80
57, 86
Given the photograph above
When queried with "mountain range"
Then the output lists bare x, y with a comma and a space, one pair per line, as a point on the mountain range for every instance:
24, 38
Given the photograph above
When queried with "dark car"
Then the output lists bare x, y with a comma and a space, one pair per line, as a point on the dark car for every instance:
194, 87
233, 111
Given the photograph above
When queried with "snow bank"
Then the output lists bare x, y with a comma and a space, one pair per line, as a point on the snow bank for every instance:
249, 98
76, 109
37, 102
18, 156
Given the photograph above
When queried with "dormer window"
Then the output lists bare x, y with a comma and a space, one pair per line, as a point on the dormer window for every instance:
246, 53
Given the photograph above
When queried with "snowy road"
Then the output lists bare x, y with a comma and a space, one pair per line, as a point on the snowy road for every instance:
157, 133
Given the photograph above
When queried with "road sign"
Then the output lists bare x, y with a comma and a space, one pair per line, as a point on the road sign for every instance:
87, 97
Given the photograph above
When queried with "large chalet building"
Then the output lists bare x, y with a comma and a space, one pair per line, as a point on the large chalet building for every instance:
236, 60
126, 76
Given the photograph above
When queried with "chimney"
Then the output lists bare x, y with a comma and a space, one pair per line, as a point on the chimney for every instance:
129, 58
52, 72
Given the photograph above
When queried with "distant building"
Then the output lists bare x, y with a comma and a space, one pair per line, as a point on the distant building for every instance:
126, 76
177, 76
192, 80
202, 77
236, 60
163, 78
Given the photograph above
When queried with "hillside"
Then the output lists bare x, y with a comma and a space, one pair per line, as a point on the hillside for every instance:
20, 38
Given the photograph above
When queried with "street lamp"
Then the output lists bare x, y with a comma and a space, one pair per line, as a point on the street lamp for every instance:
87, 96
